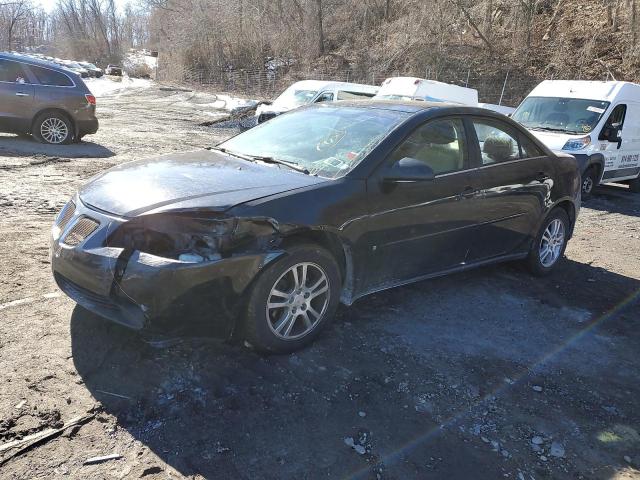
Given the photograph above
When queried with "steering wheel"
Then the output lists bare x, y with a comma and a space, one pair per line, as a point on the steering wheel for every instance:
583, 124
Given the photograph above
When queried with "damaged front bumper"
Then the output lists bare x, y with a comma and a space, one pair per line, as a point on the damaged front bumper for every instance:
144, 291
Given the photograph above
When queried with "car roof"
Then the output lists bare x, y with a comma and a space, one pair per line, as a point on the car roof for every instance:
414, 106
34, 61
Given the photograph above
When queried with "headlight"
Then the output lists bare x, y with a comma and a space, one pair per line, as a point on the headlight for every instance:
577, 143
187, 238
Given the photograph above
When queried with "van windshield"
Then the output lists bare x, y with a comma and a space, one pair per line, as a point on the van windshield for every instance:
568, 115
294, 97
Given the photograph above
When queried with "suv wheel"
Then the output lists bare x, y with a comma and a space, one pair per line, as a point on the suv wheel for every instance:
589, 181
550, 243
293, 300
634, 185
53, 128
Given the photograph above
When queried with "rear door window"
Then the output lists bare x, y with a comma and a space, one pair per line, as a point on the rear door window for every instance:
12, 72
51, 78
498, 141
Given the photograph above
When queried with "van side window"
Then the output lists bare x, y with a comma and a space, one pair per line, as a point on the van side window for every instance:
344, 95
50, 77
440, 144
616, 119
498, 141
12, 72
325, 97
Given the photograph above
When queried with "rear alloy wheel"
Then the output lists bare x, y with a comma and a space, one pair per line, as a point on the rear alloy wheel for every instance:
550, 243
292, 300
53, 128
589, 181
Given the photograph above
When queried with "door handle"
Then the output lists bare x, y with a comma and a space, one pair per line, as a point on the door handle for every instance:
22, 94
468, 192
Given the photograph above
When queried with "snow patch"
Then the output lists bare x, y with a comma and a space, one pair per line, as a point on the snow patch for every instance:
101, 87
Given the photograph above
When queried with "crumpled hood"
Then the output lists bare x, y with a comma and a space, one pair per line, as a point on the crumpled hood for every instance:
194, 180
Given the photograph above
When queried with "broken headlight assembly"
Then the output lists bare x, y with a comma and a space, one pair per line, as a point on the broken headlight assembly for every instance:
188, 238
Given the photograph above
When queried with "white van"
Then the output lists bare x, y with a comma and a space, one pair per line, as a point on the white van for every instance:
314, 91
596, 122
412, 88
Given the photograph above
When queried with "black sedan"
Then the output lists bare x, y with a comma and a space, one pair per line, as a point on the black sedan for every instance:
263, 235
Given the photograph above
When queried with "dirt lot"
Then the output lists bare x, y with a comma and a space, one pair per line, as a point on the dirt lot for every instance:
482, 375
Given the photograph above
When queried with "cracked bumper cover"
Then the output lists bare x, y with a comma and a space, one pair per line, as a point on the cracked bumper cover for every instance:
152, 291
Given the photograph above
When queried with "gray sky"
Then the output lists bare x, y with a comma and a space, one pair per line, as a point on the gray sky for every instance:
49, 5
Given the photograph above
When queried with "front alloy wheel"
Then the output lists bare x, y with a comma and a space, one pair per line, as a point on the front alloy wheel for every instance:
297, 301
293, 300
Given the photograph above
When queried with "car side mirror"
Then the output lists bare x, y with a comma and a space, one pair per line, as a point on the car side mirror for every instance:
409, 170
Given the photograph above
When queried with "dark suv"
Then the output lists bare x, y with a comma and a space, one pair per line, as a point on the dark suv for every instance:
50, 102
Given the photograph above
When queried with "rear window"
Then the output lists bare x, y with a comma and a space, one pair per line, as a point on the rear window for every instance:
51, 77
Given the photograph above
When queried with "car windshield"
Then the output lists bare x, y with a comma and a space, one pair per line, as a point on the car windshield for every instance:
328, 141
569, 115
294, 97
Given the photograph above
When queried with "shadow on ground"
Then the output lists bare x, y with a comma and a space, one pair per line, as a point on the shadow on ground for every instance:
614, 198
17, 146
416, 375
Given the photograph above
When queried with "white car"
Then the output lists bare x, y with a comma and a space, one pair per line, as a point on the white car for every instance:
596, 122
413, 88
314, 91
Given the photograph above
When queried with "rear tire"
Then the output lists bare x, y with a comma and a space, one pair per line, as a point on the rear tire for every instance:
634, 185
550, 243
53, 128
589, 181
285, 314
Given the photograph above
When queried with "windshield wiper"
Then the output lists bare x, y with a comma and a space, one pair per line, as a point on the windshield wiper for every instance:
291, 165
551, 129
264, 159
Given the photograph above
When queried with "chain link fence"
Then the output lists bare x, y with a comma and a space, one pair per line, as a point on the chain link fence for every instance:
504, 89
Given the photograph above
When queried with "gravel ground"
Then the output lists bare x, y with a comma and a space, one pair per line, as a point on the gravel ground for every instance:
482, 375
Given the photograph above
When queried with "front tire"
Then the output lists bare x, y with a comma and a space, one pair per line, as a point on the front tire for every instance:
589, 181
293, 300
53, 128
550, 243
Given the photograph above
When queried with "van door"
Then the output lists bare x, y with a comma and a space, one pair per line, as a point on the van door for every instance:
620, 143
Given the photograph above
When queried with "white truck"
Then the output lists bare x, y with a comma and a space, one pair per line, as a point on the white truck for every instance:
314, 91
412, 88
596, 122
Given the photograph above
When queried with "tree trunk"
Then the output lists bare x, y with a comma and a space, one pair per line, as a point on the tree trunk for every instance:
634, 21
320, 27
488, 14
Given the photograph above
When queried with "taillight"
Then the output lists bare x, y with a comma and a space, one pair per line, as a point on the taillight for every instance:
90, 98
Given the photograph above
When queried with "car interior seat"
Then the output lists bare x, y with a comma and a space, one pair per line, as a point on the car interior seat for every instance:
439, 148
497, 149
